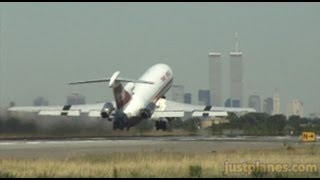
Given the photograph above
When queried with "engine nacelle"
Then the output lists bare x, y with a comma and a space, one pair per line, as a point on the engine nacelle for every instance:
148, 111
107, 110
104, 114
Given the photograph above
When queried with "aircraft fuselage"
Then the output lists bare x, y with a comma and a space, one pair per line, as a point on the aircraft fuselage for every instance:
144, 96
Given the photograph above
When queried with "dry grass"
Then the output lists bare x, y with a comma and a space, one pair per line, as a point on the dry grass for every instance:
156, 164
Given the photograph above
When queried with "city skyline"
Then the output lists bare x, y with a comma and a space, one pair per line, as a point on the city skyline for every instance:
41, 54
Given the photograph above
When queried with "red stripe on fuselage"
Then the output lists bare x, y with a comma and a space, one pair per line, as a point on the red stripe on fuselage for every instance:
161, 92
122, 97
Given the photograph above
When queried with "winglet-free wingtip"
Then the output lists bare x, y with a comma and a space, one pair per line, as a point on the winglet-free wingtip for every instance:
113, 78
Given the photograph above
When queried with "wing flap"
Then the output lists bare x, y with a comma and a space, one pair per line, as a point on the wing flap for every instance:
94, 113
59, 113
166, 108
93, 110
158, 114
209, 113
49, 113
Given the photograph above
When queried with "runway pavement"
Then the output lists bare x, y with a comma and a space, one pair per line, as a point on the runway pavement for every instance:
196, 144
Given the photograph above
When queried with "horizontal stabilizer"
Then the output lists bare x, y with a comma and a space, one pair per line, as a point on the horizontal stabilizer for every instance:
114, 78
134, 80
108, 79
90, 81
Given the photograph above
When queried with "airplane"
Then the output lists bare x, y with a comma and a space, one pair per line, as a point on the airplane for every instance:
137, 100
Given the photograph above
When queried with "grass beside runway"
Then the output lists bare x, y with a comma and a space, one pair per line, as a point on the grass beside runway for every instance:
163, 164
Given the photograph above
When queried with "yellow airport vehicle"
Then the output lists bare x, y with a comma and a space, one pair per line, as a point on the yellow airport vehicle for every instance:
308, 137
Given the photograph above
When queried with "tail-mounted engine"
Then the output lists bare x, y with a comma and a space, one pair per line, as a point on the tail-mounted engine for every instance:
148, 111
107, 110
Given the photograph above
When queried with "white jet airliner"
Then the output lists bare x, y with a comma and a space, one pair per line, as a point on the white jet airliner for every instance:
138, 100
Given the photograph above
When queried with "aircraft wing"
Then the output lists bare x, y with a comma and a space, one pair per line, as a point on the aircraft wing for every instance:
167, 108
93, 110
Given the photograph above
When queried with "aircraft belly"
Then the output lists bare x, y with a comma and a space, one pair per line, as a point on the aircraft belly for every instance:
134, 121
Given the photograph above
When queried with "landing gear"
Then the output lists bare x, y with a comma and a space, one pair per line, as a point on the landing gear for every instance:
120, 121
161, 125
117, 125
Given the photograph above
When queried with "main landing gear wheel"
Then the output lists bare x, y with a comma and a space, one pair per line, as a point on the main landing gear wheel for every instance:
161, 125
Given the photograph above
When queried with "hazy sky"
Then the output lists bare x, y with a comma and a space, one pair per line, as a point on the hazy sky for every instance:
44, 46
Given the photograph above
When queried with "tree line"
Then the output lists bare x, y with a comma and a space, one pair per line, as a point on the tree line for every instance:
248, 124
264, 124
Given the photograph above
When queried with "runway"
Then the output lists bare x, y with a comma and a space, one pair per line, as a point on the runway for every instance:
188, 144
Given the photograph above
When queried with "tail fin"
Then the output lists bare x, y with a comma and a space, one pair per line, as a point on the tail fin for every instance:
122, 97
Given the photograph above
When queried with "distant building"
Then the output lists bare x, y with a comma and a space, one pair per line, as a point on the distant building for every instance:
276, 104
295, 107
204, 97
187, 98
268, 106
235, 103
315, 115
76, 98
254, 102
215, 78
40, 101
178, 93
227, 103
236, 77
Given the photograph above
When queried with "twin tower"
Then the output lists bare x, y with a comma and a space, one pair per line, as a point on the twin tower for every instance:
236, 78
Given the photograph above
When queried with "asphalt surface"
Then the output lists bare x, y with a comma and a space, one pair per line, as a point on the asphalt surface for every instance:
71, 147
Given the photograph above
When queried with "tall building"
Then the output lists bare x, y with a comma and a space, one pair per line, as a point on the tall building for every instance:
276, 104
215, 78
268, 105
187, 98
254, 102
227, 103
40, 101
204, 97
178, 93
295, 107
236, 77
76, 98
